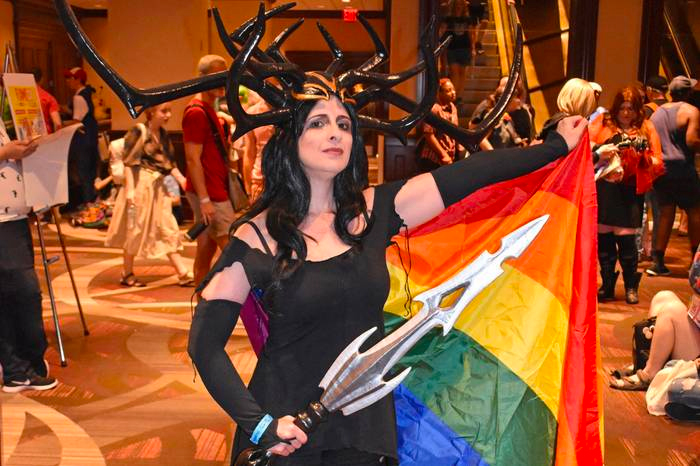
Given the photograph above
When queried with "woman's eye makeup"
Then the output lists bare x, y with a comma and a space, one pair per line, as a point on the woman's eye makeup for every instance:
318, 122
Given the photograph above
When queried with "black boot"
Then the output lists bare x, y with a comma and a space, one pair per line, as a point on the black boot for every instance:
631, 289
607, 257
658, 268
627, 248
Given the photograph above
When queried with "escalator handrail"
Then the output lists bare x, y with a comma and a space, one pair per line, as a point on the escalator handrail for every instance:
676, 43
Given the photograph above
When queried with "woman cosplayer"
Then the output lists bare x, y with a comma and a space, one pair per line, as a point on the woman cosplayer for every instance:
314, 244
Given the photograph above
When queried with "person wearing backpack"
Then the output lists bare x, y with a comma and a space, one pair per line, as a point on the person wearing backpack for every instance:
207, 186
143, 223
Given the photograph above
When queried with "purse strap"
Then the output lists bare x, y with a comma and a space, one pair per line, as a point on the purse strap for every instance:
216, 134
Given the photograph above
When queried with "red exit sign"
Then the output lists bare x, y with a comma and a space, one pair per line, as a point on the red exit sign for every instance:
350, 14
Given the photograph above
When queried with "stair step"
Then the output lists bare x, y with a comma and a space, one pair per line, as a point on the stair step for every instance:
491, 48
480, 72
489, 36
481, 84
487, 60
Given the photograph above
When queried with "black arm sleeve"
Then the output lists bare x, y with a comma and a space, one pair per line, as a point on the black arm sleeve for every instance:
211, 328
458, 180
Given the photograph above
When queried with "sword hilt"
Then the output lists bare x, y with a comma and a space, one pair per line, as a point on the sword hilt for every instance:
307, 420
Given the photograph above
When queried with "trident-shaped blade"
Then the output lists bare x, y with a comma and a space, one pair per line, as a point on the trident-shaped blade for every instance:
356, 380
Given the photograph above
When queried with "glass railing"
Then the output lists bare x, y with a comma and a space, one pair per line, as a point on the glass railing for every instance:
680, 48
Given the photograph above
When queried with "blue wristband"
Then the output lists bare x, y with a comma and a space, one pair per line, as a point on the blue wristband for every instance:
261, 428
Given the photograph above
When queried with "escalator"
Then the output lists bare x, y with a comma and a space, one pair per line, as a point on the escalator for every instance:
545, 26
680, 48
676, 40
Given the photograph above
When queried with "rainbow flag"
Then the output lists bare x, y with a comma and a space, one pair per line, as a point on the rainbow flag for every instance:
515, 381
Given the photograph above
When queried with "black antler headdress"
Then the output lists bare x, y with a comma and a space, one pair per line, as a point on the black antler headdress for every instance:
251, 66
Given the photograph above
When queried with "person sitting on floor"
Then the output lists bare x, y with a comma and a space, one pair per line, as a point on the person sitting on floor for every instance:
676, 334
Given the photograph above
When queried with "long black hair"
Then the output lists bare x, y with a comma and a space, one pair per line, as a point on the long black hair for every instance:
286, 193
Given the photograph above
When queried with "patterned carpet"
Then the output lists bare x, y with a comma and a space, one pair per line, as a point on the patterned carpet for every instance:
129, 394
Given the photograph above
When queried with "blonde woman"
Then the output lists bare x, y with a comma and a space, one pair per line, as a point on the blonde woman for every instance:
143, 223
576, 97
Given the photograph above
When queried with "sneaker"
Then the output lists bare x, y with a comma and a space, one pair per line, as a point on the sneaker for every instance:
42, 369
657, 270
34, 382
479, 48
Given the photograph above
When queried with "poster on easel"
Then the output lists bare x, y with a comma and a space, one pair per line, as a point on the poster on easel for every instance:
46, 170
25, 105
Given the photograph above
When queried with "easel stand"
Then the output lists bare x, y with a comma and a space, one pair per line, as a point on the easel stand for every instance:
46, 261
9, 64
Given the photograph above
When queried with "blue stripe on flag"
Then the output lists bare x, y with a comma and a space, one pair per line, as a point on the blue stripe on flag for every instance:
424, 440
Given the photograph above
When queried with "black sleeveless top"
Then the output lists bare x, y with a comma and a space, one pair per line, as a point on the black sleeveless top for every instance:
323, 307
89, 120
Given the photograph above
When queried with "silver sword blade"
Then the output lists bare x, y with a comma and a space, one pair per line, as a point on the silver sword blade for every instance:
356, 380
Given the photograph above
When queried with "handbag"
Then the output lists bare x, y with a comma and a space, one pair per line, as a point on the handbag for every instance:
255, 320
236, 191
641, 342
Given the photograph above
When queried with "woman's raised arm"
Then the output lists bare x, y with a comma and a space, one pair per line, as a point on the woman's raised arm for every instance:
425, 196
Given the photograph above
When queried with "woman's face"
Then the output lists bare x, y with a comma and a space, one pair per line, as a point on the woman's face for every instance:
161, 115
326, 141
626, 115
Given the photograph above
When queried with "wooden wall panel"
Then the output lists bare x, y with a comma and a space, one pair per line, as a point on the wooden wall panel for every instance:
42, 41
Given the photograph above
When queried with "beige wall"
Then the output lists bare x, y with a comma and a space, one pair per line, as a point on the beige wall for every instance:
404, 46
617, 56
7, 33
234, 13
350, 37
155, 43
149, 51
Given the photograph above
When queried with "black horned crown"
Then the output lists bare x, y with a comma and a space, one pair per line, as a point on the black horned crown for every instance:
252, 67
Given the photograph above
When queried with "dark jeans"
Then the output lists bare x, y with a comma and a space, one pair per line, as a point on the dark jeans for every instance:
346, 457
82, 170
22, 337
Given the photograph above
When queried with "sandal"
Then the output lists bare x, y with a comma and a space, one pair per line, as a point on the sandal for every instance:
625, 371
186, 279
131, 280
634, 382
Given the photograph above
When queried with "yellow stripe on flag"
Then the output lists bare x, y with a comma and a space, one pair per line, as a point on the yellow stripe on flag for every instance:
521, 323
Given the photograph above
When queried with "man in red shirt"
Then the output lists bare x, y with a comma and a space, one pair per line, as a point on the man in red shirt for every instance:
207, 169
49, 104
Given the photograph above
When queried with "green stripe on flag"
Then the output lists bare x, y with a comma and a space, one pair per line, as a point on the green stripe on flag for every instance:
479, 398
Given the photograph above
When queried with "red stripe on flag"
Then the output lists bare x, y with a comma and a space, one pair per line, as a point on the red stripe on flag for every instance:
579, 383
507, 197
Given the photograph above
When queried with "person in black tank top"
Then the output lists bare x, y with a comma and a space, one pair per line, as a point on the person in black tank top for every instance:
314, 245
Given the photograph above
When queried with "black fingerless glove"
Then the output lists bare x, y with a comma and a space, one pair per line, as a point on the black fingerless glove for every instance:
458, 180
212, 326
